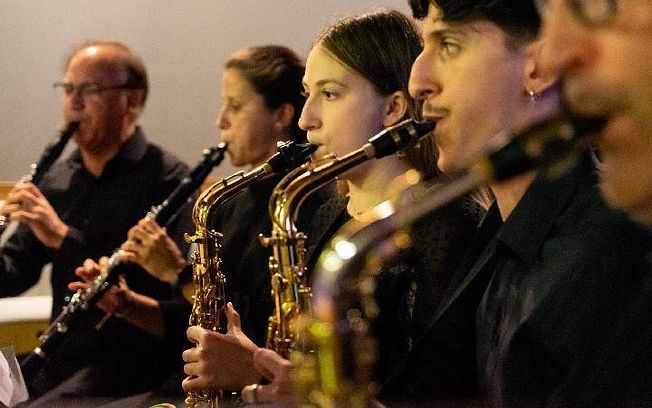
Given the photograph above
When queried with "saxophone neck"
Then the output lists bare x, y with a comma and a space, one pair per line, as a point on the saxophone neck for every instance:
286, 202
220, 192
288, 156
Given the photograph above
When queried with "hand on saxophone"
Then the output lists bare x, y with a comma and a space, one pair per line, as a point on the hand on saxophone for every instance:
219, 361
149, 245
280, 372
26, 204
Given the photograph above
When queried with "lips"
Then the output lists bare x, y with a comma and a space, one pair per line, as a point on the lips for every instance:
321, 152
440, 128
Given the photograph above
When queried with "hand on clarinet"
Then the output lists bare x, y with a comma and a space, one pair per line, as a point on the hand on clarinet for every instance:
219, 361
26, 204
117, 300
149, 245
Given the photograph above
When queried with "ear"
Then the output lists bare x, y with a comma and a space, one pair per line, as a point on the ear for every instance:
537, 79
135, 101
284, 117
396, 107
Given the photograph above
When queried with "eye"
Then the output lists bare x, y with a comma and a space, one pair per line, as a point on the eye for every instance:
449, 48
305, 94
89, 88
69, 89
328, 95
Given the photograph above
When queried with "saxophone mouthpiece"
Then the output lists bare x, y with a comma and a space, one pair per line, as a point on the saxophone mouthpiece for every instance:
290, 155
399, 136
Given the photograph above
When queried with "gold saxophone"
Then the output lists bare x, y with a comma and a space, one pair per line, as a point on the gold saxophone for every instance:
339, 372
290, 291
209, 303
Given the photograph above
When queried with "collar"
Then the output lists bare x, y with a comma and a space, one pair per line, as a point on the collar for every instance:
132, 150
537, 212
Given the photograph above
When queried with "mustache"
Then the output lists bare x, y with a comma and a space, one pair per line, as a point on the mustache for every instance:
431, 110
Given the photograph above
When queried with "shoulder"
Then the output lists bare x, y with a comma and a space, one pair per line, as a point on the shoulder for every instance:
167, 164
460, 216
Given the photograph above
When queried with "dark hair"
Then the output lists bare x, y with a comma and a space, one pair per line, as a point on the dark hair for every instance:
381, 45
519, 19
131, 64
275, 72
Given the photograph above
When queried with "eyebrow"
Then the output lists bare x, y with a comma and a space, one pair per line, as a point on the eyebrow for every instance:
439, 33
325, 81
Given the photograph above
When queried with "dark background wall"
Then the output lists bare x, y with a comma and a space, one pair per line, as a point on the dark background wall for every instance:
184, 44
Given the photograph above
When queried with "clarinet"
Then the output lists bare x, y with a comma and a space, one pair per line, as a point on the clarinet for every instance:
51, 153
83, 299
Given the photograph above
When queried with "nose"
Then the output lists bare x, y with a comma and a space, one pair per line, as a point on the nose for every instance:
423, 77
566, 45
221, 121
309, 119
76, 100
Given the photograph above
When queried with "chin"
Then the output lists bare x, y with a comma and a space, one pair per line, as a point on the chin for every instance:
447, 166
626, 197
442, 164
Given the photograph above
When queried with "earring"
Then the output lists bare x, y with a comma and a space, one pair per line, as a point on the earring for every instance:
534, 96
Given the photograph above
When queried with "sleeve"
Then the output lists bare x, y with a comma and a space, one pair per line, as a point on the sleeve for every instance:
73, 243
175, 313
23, 258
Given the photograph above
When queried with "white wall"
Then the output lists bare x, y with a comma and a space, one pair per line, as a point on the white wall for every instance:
184, 45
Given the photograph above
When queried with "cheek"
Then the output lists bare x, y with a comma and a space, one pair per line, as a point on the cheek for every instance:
340, 134
352, 137
627, 185
626, 151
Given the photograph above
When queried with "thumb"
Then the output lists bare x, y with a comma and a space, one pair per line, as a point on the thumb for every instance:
122, 282
232, 319
193, 333
75, 286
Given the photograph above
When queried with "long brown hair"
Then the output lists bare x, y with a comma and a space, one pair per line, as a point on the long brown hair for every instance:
381, 45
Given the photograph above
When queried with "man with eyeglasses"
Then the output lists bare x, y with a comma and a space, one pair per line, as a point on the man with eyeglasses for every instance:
83, 208
602, 50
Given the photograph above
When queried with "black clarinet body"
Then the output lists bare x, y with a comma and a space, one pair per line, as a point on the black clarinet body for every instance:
164, 214
50, 154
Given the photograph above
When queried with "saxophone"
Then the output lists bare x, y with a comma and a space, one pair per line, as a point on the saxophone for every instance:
290, 290
339, 373
209, 301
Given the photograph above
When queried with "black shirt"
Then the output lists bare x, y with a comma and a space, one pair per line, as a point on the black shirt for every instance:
566, 268
100, 211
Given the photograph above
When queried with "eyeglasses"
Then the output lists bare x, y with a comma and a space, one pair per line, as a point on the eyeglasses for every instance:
592, 13
86, 89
